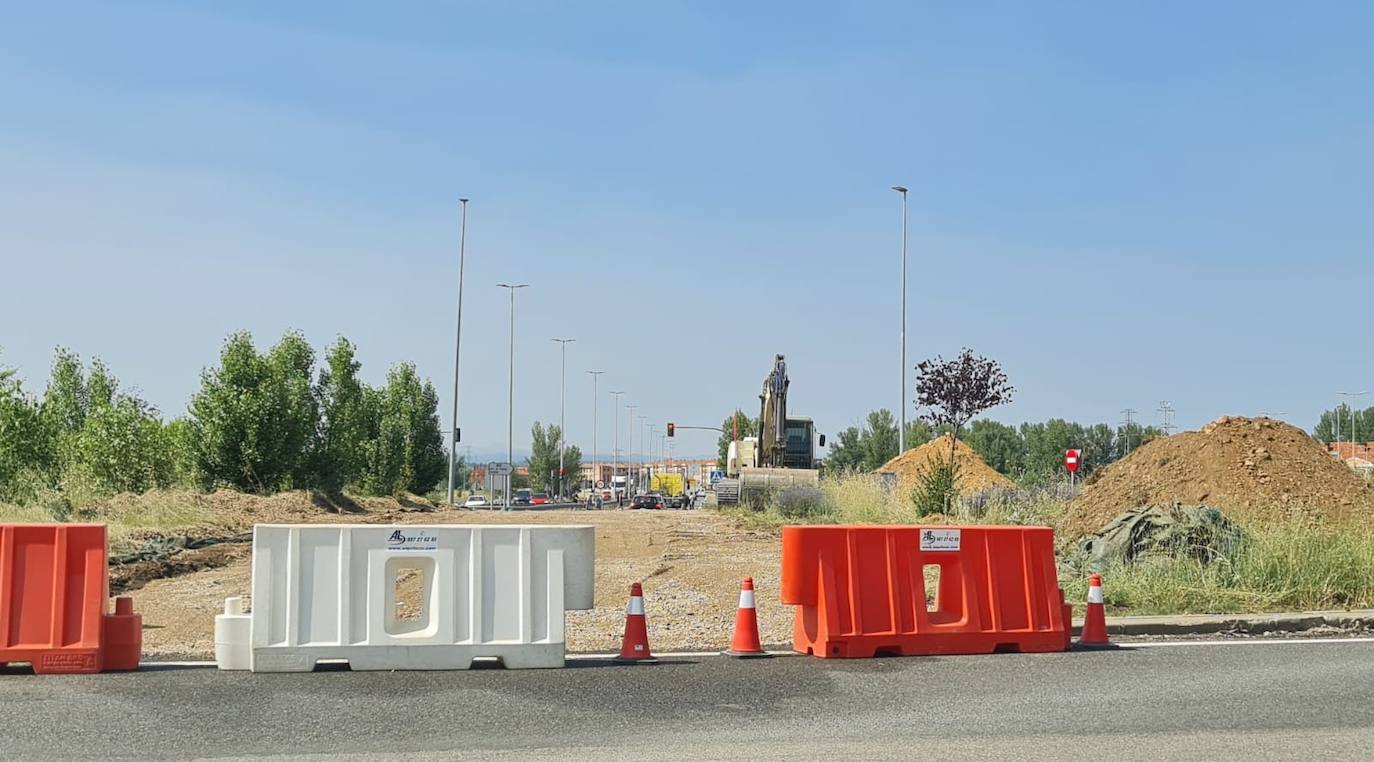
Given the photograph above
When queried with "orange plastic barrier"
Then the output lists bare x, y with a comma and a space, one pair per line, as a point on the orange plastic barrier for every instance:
861, 590
53, 594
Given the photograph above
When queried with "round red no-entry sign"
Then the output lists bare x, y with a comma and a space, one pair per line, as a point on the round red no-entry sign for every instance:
1071, 459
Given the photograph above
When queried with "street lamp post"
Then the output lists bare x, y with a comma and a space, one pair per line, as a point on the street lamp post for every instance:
1353, 431
653, 440
615, 450
901, 426
457, 346
596, 467
643, 425
510, 398
630, 439
562, 409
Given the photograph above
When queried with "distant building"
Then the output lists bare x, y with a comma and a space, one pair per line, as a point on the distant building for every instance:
1348, 450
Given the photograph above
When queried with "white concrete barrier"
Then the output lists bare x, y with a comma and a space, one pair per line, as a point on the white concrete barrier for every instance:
407, 597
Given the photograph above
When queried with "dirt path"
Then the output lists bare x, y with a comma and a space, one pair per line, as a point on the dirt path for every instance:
690, 563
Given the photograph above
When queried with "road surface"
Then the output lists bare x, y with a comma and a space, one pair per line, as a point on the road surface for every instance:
1182, 701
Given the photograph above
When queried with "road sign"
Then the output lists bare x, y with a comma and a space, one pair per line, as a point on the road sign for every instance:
600, 484
1071, 459
717, 475
499, 469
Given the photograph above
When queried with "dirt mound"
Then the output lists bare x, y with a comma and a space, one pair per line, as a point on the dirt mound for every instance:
1251, 468
974, 475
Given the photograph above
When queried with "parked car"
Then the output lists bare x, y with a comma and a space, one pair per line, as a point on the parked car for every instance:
476, 501
539, 498
650, 502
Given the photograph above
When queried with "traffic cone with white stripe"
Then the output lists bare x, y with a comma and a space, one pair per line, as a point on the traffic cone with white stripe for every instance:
746, 641
1095, 620
634, 648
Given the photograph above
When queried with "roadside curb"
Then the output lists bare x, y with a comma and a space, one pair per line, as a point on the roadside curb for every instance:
1211, 624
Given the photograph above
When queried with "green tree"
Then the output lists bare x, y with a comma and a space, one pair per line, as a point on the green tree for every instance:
846, 451
868, 447
917, 433
747, 427
109, 440
177, 433
63, 410
878, 439
543, 460
407, 448
295, 420
124, 446
999, 445
572, 467
1100, 448
1328, 425
22, 436
340, 455
254, 420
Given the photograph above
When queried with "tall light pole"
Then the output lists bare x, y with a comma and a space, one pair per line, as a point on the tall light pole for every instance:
630, 439
1352, 421
901, 427
457, 346
596, 467
643, 426
615, 450
653, 440
562, 408
510, 398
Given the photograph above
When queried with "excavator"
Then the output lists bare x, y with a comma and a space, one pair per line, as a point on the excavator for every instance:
782, 455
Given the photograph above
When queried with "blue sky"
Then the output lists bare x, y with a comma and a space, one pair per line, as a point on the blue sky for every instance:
1123, 204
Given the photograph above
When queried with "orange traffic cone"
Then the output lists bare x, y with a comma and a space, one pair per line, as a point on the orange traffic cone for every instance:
746, 641
634, 648
1095, 621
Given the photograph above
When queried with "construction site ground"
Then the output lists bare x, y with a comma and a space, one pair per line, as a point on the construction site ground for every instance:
690, 562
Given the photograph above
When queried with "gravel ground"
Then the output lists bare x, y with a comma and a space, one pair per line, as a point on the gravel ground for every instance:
690, 562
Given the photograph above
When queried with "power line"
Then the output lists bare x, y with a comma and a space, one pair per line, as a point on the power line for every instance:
1166, 417
1126, 425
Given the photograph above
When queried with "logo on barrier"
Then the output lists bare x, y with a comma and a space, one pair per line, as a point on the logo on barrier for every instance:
939, 539
59, 662
416, 541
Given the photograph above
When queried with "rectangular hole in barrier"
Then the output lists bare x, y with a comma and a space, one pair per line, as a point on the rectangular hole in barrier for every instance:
410, 597
931, 573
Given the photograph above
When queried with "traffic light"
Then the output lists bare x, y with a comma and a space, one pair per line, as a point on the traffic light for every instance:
671, 427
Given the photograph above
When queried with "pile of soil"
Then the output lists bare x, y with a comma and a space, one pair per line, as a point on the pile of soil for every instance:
1254, 469
974, 475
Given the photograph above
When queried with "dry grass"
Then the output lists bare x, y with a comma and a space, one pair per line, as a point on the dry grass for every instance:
1281, 566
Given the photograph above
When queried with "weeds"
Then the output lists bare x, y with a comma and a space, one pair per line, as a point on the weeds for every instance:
1283, 567
1288, 566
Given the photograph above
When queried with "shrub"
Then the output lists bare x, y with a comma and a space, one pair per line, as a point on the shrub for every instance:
801, 502
937, 487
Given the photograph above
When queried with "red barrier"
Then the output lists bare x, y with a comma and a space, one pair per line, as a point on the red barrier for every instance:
861, 590
53, 593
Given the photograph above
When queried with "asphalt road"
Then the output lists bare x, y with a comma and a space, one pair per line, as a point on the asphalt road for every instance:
1183, 701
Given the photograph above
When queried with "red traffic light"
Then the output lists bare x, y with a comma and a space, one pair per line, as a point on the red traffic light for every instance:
671, 427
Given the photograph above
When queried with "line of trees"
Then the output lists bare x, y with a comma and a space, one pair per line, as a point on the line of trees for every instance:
1328, 425
260, 422
1030, 453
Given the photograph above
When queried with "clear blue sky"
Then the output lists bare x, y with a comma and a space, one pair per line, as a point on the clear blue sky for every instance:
1122, 204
